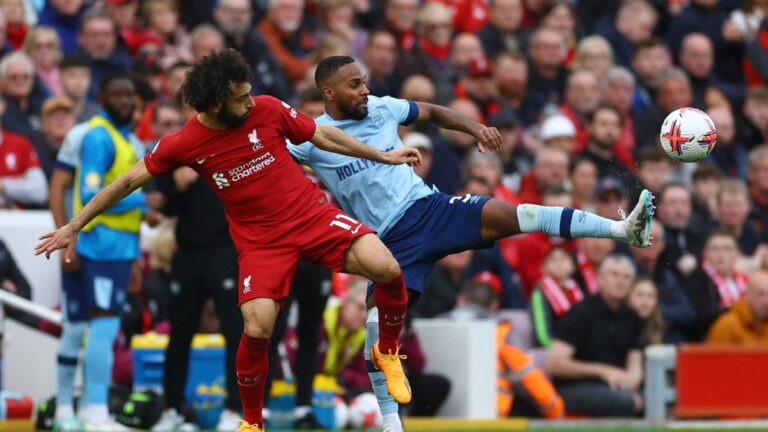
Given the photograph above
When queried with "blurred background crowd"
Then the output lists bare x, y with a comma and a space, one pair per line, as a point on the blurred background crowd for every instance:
578, 89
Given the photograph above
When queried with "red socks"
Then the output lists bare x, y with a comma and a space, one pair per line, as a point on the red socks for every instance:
392, 301
252, 365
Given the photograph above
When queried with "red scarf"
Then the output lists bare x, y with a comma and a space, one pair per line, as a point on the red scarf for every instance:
440, 53
587, 272
560, 298
730, 289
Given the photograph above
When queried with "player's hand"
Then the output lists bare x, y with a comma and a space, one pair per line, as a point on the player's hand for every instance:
488, 138
64, 237
72, 265
402, 155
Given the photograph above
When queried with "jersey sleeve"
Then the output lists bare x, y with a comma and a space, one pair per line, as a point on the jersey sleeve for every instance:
165, 157
27, 155
406, 112
69, 153
296, 126
300, 152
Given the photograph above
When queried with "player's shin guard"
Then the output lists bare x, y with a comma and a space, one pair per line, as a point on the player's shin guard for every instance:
252, 365
70, 341
387, 404
392, 302
566, 222
99, 358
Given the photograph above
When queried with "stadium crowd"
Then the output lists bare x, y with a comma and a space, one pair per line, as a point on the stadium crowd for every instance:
578, 90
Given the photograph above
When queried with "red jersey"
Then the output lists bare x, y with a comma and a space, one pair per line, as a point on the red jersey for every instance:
261, 187
17, 155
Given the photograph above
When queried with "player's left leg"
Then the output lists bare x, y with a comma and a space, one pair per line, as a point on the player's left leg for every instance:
501, 219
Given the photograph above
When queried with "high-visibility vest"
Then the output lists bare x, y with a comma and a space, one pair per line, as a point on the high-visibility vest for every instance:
514, 366
125, 159
343, 345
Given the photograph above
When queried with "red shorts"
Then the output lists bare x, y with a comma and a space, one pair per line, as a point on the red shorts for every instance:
323, 238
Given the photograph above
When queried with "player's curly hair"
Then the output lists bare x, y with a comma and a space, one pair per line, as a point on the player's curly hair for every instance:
207, 83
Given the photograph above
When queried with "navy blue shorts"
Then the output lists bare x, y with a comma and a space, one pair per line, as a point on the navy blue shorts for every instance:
97, 285
433, 227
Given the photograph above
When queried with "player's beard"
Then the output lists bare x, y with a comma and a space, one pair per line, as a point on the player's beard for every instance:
117, 116
230, 119
354, 111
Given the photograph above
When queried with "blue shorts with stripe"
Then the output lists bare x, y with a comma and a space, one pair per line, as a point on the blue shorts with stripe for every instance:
433, 227
97, 285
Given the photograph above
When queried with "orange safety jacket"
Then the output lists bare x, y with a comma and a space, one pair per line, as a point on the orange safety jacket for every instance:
514, 366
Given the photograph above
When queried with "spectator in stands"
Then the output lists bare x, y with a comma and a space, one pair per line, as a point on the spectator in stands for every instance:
476, 84
652, 169
23, 93
338, 16
733, 209
131, 35
595, 357
747, 321
618, 89
697, 59
758, 186
546, 51
503, 32
644, 300
288, 40
717, 285
167, 119
162, 21
674, 92
582, 95
510, 71
42, 45
675, 307
583, 176
559, 132
610, 197
729, 155
22, 180
754, 131
432, 51
424, 144
64, 16
550, 169
400, 19
443, 286
514, 157
57, 117
604, 128
380, 56
204, 39
589, 255
418, 88
635, 21
594, 53
652, 57
175, 79
477, 300
17, 26
554, 294
75, 82
311, 103
233, 18
466, 46
684, 242
98, 47
560, 16
706, 183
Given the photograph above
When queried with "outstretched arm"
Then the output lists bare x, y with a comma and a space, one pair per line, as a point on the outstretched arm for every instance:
333, 139
488, 138
66, 236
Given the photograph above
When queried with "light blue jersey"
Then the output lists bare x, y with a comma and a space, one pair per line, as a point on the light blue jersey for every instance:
68, 158
374, 193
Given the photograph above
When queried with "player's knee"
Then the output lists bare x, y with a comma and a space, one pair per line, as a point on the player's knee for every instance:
387, 270
255, 329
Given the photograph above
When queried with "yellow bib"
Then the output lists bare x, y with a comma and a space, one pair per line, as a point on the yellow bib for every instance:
125, 159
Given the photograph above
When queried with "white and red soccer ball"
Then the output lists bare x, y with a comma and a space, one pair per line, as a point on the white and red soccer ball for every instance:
364, 412
688, 134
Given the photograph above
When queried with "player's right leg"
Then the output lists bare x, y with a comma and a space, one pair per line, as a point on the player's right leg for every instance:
76, 306
265, 279
370, 258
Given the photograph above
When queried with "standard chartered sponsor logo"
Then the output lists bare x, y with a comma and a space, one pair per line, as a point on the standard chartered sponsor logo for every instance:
253, 166
220, 180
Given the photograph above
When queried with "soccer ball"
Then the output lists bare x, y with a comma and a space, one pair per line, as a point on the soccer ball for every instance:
341, 414
688, 134
364, 412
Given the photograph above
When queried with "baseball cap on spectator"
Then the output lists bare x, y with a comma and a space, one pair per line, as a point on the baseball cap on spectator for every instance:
491, 279
556, 126
504, 119
607, 186
479, 67
417, 140
55, 104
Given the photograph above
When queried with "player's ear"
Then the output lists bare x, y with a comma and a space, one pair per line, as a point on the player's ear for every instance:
328, 93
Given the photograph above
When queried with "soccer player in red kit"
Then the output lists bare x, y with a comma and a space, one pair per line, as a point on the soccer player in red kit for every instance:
277, 216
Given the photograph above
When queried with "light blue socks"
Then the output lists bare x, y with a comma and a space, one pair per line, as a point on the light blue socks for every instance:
567, 222
99, 358
69, 348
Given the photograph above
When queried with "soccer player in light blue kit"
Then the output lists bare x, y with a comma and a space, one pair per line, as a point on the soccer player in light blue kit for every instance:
419, 224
